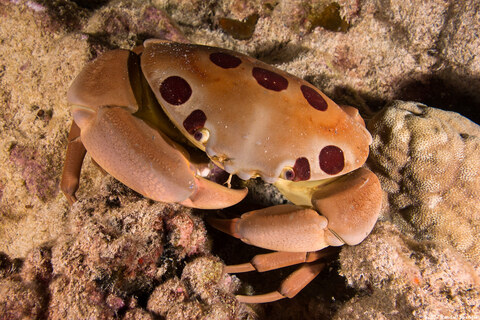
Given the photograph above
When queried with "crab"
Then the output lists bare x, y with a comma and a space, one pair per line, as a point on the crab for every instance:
143, 115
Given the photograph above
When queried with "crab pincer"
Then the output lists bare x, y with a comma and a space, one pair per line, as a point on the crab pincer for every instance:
299, 234
105, 96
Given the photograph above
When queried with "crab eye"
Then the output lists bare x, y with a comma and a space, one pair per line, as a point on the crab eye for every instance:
288, 173
202, 135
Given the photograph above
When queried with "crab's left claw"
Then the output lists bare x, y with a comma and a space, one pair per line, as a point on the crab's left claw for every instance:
351, 204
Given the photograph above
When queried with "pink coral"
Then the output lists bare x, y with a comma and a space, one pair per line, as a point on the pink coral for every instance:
187, 234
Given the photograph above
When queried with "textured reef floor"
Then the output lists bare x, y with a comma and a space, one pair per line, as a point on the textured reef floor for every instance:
115, 254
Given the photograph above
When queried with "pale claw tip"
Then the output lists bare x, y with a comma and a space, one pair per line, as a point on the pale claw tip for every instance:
210, 195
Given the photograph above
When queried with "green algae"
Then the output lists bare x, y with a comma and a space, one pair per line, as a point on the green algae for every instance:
328, 17
240, 30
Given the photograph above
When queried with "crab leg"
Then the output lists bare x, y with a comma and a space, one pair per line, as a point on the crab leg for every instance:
268, 261
292, 285
286, 227
73, 164
279, 259
348, 211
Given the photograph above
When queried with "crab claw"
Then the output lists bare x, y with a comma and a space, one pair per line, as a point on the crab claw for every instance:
146, 161
210, 195
285, 227
348, 208
105, 95
351, 204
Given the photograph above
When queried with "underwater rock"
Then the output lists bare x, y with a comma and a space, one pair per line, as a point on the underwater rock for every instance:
100, 260
203, 291
187, 234
130, 24
115, 238
397, 277
205, 277
20, 300
427, 161
24, 285
166, 295
77, 298
40, 179
35, 71
37, 266
110, 252
119, 247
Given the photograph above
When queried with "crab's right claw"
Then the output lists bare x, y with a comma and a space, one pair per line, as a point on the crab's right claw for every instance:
147, 161
105, 95
349, 208
210, 195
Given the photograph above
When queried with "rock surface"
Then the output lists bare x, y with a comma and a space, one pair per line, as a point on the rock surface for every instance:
400, 278
115, 254
120, 253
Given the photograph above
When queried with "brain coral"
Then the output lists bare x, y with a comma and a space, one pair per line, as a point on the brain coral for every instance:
428, 161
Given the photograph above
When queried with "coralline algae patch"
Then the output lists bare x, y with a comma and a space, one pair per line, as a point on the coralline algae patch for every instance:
397, 277
120, 255
46, 45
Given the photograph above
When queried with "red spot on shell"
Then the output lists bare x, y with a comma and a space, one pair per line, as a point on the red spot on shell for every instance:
301, 169
314, 98
196, 120
331, 159
225, 60
269, 79
175, 90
